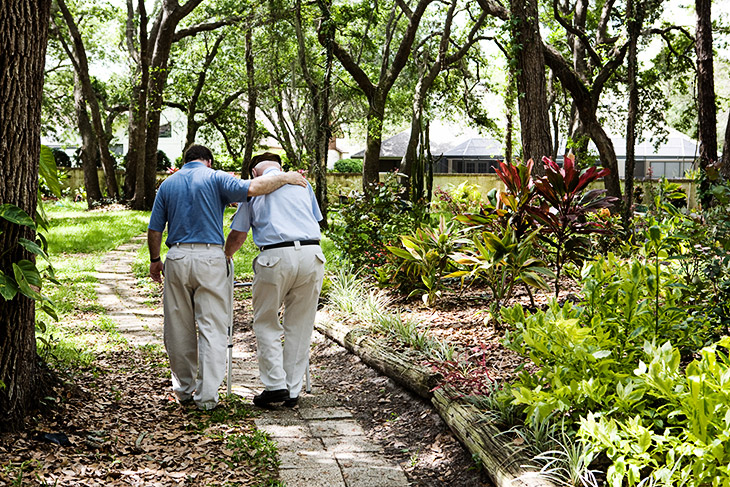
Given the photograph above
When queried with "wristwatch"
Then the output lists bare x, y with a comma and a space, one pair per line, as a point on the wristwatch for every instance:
156, 259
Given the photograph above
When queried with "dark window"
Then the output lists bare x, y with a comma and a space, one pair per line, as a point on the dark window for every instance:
166, 130
483, 167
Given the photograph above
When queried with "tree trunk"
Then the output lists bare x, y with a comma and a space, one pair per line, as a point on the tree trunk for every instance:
89, 149
24, 24
531, 85
251, 102
706, 108
371, 163
411, 154
81, 67
634, 21
585, 102
134, 180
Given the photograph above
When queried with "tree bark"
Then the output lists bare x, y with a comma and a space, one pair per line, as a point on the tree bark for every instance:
89, 149
390, 69
24, 24
81, 68
531, 84
706, 108
586, 103
634, 22
251, 102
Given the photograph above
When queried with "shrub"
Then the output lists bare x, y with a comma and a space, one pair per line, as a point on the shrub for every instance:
457, 200
362, 226
62, 158
348, 165
163, 162
425, 257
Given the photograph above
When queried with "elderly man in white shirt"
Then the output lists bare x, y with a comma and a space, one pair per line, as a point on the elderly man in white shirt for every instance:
289, 272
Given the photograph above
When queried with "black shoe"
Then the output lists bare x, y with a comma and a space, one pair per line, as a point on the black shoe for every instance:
291, 402
270, 397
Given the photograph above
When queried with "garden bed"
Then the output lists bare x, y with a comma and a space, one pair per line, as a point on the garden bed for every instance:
461, 321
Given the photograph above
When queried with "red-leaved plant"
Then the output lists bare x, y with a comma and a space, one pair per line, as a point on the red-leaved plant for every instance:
563, 207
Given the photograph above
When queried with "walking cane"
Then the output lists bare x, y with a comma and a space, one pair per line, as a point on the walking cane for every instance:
230, 328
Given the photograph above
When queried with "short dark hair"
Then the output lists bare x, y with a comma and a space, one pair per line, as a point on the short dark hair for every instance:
266, 156
198, 152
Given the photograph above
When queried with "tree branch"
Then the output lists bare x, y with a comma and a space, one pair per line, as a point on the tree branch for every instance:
494, 8
578, 33
205, 27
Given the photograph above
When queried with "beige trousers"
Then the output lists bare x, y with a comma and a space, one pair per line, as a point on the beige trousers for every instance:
289, 277
197, 291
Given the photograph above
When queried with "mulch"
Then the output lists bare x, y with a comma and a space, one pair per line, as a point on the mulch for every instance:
117, 424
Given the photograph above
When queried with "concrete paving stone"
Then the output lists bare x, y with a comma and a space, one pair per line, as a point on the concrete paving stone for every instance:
324, 413
365, 470
303, 453
320, 476
350, 444
317, 400
336, 428
279, 428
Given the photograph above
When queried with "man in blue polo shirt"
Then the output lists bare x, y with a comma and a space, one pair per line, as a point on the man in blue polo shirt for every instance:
288, 271
198, 277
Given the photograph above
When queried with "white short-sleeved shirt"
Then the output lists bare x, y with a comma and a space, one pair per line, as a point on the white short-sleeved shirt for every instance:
290, 213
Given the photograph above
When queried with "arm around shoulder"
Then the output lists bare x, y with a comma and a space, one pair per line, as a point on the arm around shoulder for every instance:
271, 182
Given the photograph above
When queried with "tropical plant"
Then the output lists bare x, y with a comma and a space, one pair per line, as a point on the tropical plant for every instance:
27, 279
502, 262
563, 210
425, 258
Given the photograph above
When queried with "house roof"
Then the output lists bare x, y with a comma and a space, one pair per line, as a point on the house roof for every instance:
475, 147
443, 138
447, 142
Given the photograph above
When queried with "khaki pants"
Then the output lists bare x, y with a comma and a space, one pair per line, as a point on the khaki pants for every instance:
291, 277
197, 291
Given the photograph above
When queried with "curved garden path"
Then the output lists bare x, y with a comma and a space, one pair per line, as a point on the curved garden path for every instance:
320, 443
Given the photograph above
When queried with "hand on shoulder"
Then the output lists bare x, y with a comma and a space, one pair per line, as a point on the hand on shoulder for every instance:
294, 177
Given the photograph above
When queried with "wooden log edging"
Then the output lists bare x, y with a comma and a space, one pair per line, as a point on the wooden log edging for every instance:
503, 463
413, 377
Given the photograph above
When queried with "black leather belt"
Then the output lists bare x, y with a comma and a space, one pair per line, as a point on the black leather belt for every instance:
288, 244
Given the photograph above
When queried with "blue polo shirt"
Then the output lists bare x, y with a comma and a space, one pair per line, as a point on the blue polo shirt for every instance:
290, 213
191, 203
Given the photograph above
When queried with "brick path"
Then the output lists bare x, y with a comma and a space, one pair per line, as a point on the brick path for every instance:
320, 444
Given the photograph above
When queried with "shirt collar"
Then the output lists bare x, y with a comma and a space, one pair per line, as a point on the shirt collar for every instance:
269, 170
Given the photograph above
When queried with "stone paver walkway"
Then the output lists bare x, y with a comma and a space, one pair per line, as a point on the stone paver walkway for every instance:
320, 444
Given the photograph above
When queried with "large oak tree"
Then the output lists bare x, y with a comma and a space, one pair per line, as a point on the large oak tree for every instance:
24, 24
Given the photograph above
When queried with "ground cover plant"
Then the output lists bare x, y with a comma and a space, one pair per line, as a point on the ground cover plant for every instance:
108, 417
622, 377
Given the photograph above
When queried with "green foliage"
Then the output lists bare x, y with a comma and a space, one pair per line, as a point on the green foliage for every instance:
681, 442
457, 200
502, 261
363, 226
425, 258
348, 165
